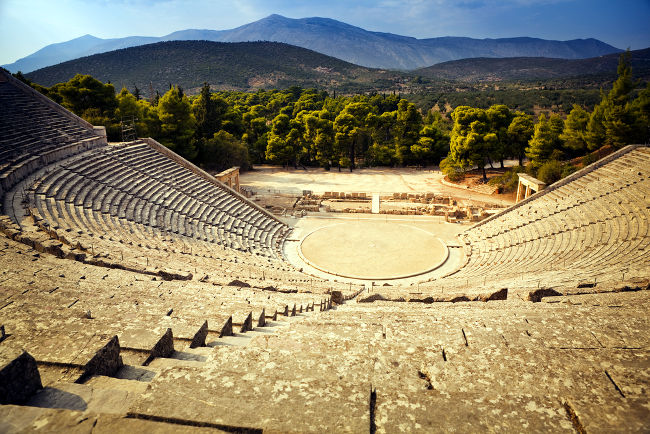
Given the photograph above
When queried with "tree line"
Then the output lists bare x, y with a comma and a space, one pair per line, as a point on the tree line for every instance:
551, 144
306, 127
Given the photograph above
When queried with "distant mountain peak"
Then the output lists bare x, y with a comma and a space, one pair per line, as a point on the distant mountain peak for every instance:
86, 37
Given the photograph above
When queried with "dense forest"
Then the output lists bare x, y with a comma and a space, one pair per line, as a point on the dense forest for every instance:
307, 127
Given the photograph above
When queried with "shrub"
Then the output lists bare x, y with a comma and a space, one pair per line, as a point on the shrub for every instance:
550, 172
568, 169
509, 180
453, 171
589, 158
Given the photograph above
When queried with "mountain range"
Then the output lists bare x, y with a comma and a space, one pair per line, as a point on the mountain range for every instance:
248, 66
337, 39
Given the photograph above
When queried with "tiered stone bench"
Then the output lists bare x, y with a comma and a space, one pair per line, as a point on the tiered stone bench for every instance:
26, 145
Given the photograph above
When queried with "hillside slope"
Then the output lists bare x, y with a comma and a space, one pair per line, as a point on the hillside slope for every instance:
534, 68
226, 66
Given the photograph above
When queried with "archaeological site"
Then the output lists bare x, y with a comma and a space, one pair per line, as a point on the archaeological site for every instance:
139, 293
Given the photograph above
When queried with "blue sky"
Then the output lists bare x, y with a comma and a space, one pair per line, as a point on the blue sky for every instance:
28, 25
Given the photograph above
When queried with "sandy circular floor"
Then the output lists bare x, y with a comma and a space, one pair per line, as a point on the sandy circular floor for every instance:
373, 250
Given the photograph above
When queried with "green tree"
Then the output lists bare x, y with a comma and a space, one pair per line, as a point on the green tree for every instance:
136, 93
467, 147
319, 133
499, 119
91, 99
613, 121
433, 144
204, 109
382, 150
177, 123
408, 123
83, 92
596, 133
127, 106
256, 133
574, 131
550, 172
346, 131
296, 139
149, 123
278, 150
310, 100
352, 132
223, 151
641, 108
545, 140
520, 131
324, 141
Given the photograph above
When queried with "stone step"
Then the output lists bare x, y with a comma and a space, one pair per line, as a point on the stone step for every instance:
82, 397
21, 419
113, 383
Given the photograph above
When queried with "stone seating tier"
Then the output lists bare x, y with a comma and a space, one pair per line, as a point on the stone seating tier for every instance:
120, 191
33, 133
587, 227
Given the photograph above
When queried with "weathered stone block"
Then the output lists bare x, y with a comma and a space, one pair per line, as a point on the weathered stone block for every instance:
337, 297
19, 376
106, 361
537, 295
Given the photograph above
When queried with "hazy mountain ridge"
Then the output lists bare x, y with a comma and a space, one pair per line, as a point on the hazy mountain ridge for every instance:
226, 66
336, 39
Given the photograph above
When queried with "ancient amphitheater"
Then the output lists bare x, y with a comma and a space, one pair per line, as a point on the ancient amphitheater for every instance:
139, 294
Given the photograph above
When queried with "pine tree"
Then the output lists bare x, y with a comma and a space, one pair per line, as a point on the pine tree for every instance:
177, 123
575, 128
127, 106
499, 118
613, 120
520, 132
205, 113
545, 140
641, 110
408, 123
468, 147
278, 150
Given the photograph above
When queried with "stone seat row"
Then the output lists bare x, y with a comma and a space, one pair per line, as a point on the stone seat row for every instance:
74, 340
27, 145
18, 112
75, 217
153, 251
247, 225
616, 175
564, 235
612, 211
449, 361
130, 294
595, 248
